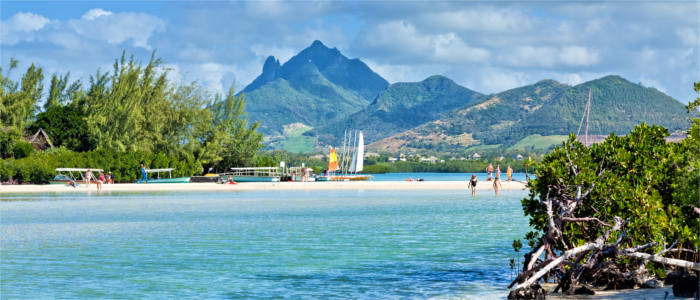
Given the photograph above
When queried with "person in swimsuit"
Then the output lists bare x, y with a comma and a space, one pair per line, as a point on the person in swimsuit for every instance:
472, 184
497, 180
489, 170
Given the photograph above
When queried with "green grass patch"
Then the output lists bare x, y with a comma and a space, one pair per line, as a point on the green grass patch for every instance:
539, 142
294, 140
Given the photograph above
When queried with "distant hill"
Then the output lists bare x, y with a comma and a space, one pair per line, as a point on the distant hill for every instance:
546, 108
317, 86
400, 107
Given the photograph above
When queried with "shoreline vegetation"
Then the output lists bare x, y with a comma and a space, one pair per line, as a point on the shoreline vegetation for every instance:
621, 214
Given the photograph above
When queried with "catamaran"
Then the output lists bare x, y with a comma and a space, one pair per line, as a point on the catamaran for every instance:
348, 168
259, 174
66, 176
170, 178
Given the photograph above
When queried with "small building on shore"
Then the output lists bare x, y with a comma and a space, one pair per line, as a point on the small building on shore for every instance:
40, 140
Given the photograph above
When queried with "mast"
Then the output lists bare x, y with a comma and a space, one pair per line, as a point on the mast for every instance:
342, 152
353, 164
351, 148
588, 112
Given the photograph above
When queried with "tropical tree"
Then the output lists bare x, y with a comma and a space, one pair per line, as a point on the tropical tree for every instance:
18, 102
239, 142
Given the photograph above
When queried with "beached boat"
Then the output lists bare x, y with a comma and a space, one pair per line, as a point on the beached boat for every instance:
348, 169
166, 180
259, 174
73, 175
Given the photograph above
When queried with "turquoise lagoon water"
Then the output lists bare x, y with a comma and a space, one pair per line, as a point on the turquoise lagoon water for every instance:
223, 245
432, 176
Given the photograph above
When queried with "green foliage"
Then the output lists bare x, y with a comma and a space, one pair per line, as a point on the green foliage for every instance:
549, 108
637, 177
18, 102
240, 142
315, 87
400, 107
66, 126
135, 112
40, 166
9, 137
22, 149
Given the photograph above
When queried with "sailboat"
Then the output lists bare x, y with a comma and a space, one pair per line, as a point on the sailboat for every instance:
348, 172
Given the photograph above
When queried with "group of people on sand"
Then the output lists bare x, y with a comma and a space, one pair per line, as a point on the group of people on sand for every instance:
496, 180
99, 180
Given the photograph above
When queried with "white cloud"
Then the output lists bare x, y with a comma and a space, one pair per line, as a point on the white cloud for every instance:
450, 48
578, 56
483, 19
21, 27
548, 57
96, 13
496, 80
117, 28
401, 39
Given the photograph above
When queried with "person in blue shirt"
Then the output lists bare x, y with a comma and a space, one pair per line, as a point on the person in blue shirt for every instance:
144, 176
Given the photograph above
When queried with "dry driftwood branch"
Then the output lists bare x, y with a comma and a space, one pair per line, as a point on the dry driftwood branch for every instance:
533, 258
663, 260
597, 244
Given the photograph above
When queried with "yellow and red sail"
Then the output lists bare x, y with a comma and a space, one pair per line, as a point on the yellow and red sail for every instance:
332, 161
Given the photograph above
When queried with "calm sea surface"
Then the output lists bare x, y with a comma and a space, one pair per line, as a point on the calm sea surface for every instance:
443, 176
221, 245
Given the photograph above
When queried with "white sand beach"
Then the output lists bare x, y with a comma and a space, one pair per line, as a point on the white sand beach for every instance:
265, 186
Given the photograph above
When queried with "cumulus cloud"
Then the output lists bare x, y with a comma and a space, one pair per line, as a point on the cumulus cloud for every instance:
117, 28
21, 27
570, 56
95, 25
484, 19
400, 39
95, 13
483, 46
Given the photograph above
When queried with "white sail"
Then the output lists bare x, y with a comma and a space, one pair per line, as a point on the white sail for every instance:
359, 155
351, 168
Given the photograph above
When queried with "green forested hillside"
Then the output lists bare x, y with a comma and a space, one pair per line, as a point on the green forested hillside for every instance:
546, 108
401, 106
317, 86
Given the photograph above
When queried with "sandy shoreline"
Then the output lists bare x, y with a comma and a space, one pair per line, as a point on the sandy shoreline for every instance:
265, 186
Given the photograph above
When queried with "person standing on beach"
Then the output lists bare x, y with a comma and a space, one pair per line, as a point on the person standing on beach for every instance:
489, 170
472, 184
509, 173
497, 180
88, 176
144, 175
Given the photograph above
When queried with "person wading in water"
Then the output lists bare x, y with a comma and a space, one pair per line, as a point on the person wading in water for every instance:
472, 184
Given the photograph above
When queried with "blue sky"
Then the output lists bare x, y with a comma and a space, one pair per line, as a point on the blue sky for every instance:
485, 46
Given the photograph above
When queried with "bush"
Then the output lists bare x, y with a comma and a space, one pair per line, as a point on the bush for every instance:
22, 149
8, 139
125, 166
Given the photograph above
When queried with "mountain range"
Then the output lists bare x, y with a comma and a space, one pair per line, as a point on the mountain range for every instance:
310, 101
